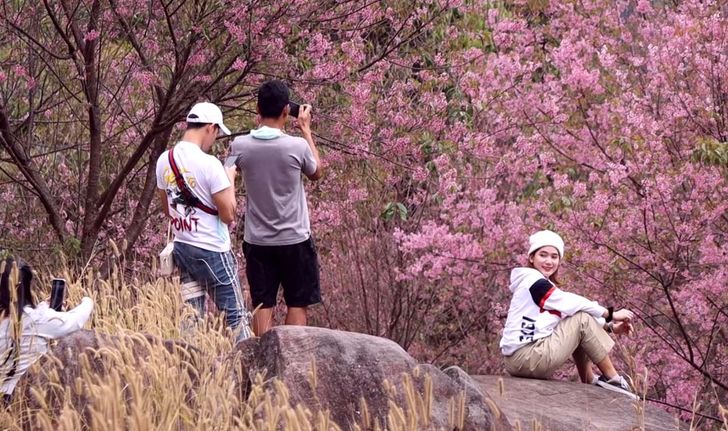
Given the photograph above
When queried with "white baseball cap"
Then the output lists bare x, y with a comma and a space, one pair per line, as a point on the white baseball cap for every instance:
545, 238
207, 113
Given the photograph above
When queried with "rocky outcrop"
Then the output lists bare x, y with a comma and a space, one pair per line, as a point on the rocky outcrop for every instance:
354, 378
86, 355
569, 406
475, 394
333, 371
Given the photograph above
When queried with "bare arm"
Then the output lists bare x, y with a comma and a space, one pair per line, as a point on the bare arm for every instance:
162, 194
304, 122
224, 200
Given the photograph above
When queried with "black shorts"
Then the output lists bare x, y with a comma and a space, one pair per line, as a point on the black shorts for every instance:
294, 266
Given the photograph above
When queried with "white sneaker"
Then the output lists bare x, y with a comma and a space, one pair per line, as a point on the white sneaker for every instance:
617, 384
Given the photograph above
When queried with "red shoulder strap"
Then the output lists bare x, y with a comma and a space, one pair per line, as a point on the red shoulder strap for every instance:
184, 188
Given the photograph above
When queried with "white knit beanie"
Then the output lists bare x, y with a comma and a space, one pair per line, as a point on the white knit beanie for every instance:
545, 238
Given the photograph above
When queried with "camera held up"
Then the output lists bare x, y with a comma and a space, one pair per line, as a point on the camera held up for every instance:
293, 109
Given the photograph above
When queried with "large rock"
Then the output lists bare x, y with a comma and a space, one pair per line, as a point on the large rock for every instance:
86, 355
567, 406
477, 395
327, 370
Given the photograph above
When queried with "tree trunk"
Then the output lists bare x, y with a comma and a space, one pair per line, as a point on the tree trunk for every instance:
141, 212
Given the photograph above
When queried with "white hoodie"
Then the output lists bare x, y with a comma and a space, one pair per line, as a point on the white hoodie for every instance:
39, 325
537, 307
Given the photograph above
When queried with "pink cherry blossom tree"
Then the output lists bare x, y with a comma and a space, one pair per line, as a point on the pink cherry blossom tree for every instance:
451, 131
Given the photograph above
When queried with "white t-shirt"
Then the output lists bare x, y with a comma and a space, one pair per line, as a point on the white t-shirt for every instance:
205, 176
40, 324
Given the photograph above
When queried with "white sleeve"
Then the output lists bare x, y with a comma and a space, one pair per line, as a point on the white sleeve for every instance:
55, 324
571, 303
217, 178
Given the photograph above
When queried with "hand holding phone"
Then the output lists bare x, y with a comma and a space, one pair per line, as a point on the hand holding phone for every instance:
293, 109
58, 294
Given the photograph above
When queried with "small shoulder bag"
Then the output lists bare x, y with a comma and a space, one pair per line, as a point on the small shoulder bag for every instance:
166, 262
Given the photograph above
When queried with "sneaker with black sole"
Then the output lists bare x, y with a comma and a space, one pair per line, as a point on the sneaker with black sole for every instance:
617, 384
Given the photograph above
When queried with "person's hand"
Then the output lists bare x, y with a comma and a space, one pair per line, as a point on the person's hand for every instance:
304, 118
623, 328
623, 314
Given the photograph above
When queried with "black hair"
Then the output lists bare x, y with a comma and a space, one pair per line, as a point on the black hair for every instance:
23, 290
273, 96
191, 126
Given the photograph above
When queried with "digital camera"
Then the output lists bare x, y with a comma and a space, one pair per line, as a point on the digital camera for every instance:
293, 109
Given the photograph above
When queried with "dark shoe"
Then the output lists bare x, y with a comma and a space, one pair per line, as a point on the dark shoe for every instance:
617, 384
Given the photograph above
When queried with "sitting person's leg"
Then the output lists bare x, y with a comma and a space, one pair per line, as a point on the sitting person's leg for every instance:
583, 366
594, 346
544, 356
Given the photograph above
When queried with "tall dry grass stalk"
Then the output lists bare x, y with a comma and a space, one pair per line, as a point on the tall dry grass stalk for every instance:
136, 382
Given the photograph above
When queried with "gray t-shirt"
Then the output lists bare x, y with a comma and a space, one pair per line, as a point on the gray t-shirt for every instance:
276, 212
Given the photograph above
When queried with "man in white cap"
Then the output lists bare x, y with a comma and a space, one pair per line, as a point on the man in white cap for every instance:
197, 193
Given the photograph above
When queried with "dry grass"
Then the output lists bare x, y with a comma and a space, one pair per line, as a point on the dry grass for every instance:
171, 389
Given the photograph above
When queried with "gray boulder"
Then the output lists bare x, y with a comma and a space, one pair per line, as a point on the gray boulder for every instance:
327, 370
568, 406
477, 396
72, 359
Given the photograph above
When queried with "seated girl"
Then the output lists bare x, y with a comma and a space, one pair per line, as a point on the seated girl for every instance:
546, 325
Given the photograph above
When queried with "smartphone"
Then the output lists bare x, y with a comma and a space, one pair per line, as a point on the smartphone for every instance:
58, 293
293, 109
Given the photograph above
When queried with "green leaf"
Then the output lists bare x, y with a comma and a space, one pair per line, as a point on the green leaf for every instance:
392, 209
402, 210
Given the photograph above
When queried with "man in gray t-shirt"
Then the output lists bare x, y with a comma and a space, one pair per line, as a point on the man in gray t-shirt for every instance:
278, 247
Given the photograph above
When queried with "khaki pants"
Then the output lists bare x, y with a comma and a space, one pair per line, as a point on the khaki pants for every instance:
579, 335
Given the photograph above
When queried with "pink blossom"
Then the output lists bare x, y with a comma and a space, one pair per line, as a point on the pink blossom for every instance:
239, 64
91, 35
